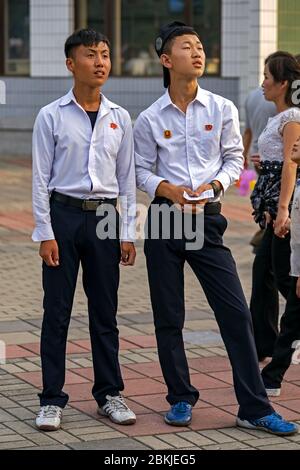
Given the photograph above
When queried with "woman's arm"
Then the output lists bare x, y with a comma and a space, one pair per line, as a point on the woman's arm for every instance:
298, 288
291, 132
296, 152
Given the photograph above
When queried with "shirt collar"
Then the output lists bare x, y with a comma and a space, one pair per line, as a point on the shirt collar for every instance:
106, 103
201, 96
67, 98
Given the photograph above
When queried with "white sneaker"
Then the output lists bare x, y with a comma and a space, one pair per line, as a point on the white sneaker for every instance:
49, 418
117, 410
273, 392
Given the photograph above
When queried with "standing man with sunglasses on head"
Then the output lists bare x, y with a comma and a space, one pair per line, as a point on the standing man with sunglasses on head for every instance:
186, 143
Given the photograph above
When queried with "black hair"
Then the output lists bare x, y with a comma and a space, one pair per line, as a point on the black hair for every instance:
84, 37
284, 66
169, 42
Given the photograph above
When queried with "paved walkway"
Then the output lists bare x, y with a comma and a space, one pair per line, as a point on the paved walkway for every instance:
213, 425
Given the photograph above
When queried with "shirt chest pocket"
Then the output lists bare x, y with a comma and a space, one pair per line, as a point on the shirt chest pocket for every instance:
112, 139
210, 141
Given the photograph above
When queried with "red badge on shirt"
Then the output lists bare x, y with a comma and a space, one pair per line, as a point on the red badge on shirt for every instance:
113, 125
208, 127
168, 134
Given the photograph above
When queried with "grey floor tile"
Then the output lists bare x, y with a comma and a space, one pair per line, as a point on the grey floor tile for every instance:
110, 444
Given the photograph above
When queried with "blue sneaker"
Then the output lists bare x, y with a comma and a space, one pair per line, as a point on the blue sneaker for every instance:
273, 423
180, 414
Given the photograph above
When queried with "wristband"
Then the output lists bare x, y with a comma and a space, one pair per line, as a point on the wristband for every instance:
215, 188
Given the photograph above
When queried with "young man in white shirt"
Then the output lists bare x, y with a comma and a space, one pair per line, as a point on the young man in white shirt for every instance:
82, 162
188, 142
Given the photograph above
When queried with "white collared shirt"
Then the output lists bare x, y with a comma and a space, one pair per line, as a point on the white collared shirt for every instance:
76, 160
189, 149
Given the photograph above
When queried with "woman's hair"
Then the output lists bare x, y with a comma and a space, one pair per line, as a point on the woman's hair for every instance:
284, 66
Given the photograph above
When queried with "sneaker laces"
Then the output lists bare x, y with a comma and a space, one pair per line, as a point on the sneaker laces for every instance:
271, 420
50, 411
182, 406
117, 403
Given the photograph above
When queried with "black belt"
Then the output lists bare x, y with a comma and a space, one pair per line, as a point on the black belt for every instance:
210, 208
84, 204
267, 166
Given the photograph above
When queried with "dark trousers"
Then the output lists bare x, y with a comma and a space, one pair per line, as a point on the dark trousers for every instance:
216, 271
270, 274
273, 373
75, 233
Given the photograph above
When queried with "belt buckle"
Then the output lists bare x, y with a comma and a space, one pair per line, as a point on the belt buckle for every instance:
88, 205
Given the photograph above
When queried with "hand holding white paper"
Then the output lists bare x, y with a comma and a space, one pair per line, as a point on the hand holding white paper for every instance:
205, 195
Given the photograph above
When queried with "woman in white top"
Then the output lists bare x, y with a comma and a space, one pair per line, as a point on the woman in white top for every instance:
287, 345
272, 195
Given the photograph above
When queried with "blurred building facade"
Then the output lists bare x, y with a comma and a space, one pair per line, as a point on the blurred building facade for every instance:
237, 36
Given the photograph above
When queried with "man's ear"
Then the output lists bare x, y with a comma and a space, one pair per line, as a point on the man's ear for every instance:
166, 61
70, 64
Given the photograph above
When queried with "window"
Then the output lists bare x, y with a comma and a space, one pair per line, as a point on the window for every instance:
207, 21
16, 37
289, 26
95, 14
140, 25
141, 21
1, 37
131, 26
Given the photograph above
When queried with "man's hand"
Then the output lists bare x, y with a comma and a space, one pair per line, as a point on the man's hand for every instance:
201, 189
49, 253
175, 193
128, 254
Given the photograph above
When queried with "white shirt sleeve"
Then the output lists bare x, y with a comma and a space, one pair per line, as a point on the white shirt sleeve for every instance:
43, 148
231, 147
290, 115
127, 183
145, 157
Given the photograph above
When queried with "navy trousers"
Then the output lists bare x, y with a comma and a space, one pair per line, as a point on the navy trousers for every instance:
216, 271
270, 274
274, 372
75, 233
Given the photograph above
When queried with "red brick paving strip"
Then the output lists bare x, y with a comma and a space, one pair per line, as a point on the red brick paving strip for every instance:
71, 348
14, 352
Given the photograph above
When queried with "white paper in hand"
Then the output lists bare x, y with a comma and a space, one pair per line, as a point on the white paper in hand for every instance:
205, 195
